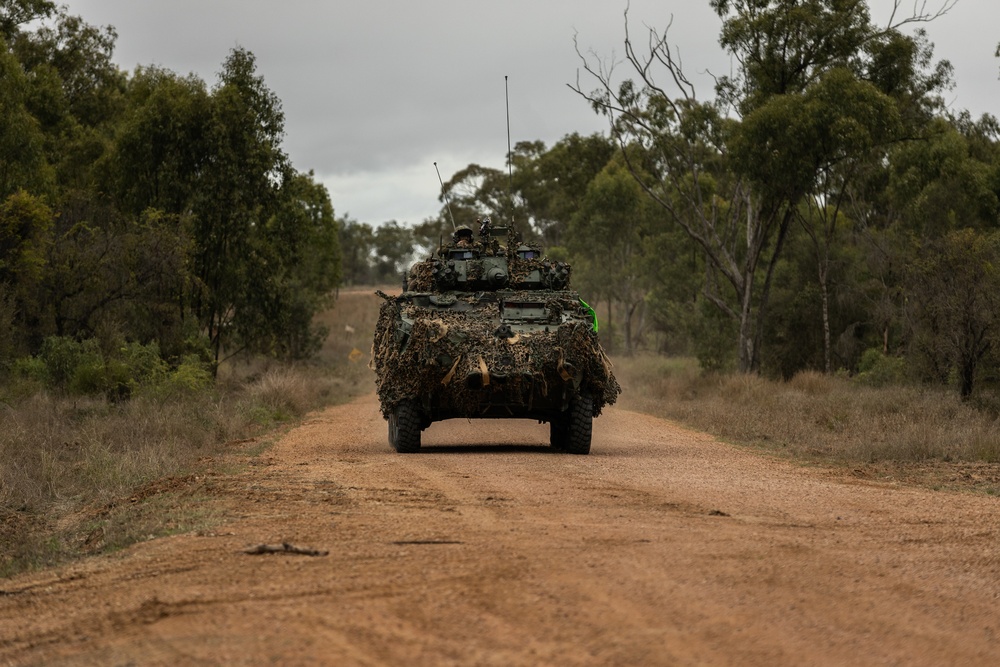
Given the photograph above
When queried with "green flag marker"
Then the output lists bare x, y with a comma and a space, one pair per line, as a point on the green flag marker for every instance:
593, 313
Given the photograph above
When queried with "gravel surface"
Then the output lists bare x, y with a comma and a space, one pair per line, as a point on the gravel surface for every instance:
663, 547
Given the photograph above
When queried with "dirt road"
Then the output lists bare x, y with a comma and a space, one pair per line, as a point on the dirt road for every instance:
663, 547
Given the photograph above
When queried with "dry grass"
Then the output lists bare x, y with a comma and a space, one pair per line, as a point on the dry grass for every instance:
82, 475
891, 430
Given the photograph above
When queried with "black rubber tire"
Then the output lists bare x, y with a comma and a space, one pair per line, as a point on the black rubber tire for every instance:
580, 423
558, 432
407, 428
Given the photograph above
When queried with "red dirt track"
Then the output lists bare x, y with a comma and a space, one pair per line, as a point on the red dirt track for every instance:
663, 547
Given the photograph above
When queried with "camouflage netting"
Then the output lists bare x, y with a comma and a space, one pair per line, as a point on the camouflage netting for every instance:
421, 275
421, 278
447, 347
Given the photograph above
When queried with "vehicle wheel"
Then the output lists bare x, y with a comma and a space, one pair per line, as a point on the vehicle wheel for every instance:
558, 433
406, 419
580, 423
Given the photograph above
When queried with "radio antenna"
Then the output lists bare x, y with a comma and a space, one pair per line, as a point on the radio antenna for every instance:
447, 200
510, 156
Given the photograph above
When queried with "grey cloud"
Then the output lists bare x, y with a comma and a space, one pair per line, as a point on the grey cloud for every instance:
374, 91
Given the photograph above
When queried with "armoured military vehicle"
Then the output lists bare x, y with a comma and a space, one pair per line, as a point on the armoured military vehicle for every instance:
488, 328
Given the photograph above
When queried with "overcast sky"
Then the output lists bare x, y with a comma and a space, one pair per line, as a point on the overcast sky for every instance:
376, 91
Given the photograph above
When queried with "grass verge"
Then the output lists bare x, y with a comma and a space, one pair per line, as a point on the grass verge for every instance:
904, 433
84, 475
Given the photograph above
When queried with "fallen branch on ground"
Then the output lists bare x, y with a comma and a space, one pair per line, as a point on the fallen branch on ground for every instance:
283, 548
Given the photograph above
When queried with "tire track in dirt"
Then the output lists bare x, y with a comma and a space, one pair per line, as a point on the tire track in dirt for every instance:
662, 547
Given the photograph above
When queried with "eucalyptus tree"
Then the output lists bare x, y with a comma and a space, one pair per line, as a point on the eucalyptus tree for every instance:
21, 141
949, 181
76, 90
611, 238
809, 90
17, 13
552, 183
476, 191
305, 266
953, 306
238, 191
161, 145
357, 241
393, 246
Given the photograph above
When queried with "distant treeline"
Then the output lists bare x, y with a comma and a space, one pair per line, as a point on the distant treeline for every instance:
147, 209
823, 210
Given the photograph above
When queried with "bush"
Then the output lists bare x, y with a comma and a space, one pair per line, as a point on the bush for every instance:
63, 356
79, 368
190, 377
878, 370
713, 334
31, 368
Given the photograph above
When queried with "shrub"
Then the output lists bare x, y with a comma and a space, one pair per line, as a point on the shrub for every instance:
190, 377
62, 357
31, 368
713, 334
878, 370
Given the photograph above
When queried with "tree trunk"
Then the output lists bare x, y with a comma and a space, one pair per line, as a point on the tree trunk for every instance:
825, 299
748, 329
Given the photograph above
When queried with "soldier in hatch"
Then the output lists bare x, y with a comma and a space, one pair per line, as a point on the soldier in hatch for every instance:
463, 237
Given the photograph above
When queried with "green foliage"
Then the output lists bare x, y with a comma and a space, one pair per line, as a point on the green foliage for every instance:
160, 146
552, 184
191, 377
880, 370
393, 251
24, 224
713, 334
21, 141
953, 304
819, 90
32, 369
950, 180
16, 13
63, 356
783, 142
81, 368
614, 233
357, 243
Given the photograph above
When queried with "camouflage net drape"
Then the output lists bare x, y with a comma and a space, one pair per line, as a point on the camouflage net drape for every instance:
445, 347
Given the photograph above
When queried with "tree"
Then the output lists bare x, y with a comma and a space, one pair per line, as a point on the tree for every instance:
303, 235
431, 233
17, 13
949, 180
357, 246
552, 183
953, 305
104, 271
479, 191
237, 193
75, 92
25, 237
21, 141
161, 144
393, 251
733, 172
612, 234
